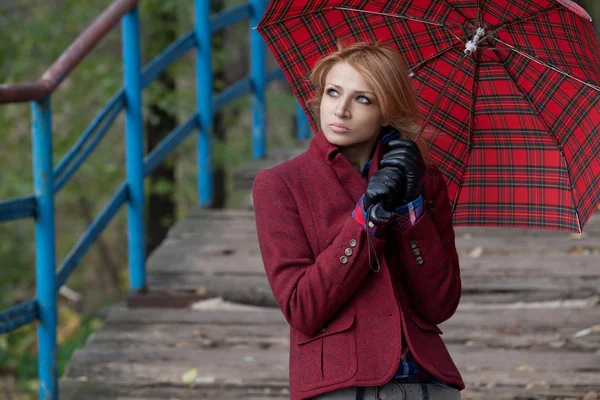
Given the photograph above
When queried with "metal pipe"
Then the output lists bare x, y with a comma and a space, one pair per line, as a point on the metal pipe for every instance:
204, 89
45, 248
69, 59
134, 147
258, 76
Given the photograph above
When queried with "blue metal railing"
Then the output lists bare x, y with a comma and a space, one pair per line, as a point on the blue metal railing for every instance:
48, 180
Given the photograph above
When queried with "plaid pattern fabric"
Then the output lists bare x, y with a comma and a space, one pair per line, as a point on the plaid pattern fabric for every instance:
514, 127
409, 371
407, 214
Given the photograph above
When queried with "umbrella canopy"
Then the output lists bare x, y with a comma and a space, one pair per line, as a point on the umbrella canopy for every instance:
511, 89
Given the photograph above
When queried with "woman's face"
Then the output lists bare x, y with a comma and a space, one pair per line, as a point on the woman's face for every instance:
349, 112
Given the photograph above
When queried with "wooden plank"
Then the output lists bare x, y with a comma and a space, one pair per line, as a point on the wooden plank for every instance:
254, 289
72, 389
90, 389
240, 218
244, 175
592, 228
246, 359
212, 336
262, 316
518, 320
190, 336
242, 261
247, 366
166, 367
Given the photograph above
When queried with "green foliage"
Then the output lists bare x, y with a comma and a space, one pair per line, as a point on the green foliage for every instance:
38, 33
18, 350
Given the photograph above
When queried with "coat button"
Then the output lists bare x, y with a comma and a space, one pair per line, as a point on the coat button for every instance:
344, 260
348, 252
417, 252
413, 244
353, 243
420, 260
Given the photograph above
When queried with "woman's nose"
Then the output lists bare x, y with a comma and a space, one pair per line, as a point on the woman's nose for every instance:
341, 110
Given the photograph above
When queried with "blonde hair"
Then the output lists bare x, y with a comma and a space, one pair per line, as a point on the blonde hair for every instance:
384, 70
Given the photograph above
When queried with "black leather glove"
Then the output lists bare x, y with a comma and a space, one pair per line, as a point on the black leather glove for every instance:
404, 156
384, 192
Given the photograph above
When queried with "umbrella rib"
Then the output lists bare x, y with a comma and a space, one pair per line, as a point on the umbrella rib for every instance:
330, 8
547, 65
424, 21
490, 34
442, 94
279, 21
470, 135
437, 55
454, 10
556, 142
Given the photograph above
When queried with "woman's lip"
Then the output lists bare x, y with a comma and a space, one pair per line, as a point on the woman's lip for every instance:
338, 128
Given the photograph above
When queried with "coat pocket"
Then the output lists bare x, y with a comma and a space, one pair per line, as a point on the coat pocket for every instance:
328, 357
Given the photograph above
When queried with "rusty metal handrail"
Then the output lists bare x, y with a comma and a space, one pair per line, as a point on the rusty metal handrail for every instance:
69, 59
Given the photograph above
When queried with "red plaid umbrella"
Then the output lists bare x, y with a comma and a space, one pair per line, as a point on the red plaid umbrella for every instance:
511, 88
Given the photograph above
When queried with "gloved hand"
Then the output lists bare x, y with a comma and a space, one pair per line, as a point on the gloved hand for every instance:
384, 192
404, 156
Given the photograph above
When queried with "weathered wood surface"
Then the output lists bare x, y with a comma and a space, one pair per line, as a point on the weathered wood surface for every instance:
528, 326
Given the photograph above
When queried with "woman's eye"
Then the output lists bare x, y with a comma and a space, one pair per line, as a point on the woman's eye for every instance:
361, 99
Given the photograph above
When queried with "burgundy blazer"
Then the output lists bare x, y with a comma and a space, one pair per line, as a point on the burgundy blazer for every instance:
346, 321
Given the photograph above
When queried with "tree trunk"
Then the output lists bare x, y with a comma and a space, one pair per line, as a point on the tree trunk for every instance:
159, 122
219, 177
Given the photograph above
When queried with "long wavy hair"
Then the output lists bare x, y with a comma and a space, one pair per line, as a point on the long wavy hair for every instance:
384, 70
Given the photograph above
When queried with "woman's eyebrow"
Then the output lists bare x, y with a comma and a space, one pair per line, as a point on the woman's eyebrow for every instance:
356, 91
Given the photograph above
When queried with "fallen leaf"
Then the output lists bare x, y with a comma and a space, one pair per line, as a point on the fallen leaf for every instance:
201, 291
577, 250
582, 333
476, 252
558, 344
190, 376
591, 396
525, 368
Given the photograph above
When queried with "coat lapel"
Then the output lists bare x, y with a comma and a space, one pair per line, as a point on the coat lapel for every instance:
352, 182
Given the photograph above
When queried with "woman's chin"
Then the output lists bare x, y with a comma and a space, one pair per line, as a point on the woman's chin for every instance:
339, 139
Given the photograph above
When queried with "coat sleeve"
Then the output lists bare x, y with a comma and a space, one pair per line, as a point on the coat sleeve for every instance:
429, 258
308, 288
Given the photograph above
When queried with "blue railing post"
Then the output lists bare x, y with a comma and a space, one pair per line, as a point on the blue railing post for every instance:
134, 145
45, 257
204, 89
258, 75
302, 125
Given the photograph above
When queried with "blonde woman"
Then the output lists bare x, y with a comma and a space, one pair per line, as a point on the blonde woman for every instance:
357, 240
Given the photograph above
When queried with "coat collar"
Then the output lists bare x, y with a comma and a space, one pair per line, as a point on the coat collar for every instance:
321, 148
353, 182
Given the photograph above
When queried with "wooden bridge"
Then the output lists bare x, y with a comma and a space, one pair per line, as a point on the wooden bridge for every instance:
528, 326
